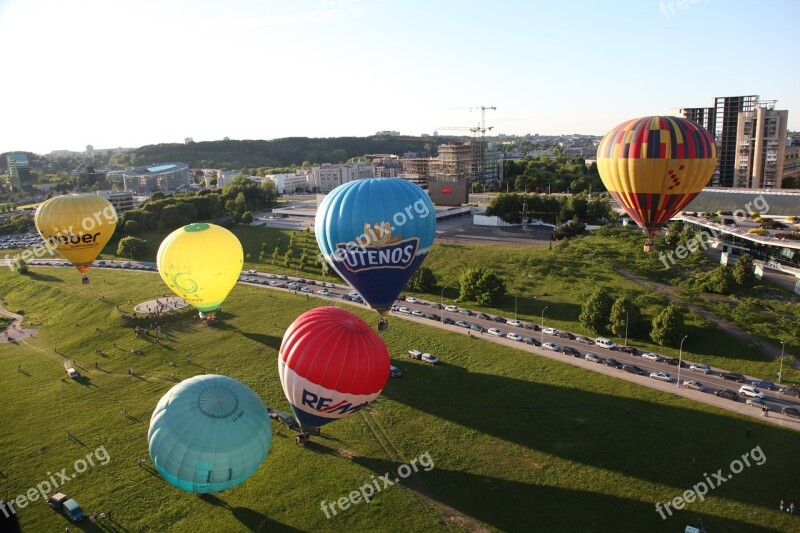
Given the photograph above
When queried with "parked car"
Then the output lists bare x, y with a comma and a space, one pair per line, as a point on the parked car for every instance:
633, 369
437, 306
529, 340
569, 350
650, 356
434, 316
483, 316
477, 328
609, 361
499, 319
394, 371
551, 346
700, 367
629, 349
430, 359
514, 336
791, 411
593, 357
326, 292
662, 376
405, 310
757, 402
448, 320
417, 312
763, 384
462, 324
496, 332
605, 343
465, 312
733, 376
693, 384
584, 340
727, 394
414, 354
412, 300
451, 308
674, 361
566, 335
528, 325
68, 506
550, 331
752, 392
516, 323
791, 391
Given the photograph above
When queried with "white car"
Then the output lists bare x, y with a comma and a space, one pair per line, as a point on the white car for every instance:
414, 354
752, 392
417, 312
662, 376
430, 358
551, 346
694, 384
650, 356
405, 310
412, 300
324, 292
514, 337
700, 367
251, 271
451, 308
516, 323
496, 332
304, 289
550, 331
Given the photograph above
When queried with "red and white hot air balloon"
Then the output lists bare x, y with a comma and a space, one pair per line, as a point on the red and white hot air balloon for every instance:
331, 364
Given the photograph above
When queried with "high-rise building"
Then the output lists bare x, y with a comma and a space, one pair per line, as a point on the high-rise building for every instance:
327, 177
760, 147
727, 109
705, 116
20, 173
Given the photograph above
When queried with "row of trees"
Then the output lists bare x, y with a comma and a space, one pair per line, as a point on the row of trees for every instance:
622, 316
560, 174
554, 209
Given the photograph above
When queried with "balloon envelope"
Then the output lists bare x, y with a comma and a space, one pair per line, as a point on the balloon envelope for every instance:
655, 166
375, 233
78, 226
201, 263
209, 433
331, 364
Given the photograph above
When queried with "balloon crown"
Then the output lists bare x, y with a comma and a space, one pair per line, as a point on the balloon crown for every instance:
196, 226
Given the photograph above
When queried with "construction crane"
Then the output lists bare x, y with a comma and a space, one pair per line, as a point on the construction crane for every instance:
483, 129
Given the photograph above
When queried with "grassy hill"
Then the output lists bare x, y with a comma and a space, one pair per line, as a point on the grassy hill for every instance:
519, 442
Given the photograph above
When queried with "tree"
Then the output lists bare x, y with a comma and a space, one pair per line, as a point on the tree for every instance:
595, 311
743, 271
131, 247
619, 321
668, 327
481, 285
287, 258
19, 266
303, 259
718, 281
276, 253
132, 227
423, 280
247, 217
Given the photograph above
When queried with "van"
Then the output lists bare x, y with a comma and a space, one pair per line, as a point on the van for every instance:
605, 343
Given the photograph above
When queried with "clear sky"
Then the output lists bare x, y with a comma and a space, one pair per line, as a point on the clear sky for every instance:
132, 72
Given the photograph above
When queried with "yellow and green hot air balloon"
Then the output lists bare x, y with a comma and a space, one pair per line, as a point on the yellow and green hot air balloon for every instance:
77, 226
201, 263
655, 166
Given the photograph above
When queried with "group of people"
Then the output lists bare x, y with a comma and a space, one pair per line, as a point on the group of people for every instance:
788, 508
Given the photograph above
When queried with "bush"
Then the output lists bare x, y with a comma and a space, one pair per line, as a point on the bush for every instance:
758, 231
131, 247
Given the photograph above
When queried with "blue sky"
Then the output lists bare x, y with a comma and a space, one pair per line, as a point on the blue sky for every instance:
127, 73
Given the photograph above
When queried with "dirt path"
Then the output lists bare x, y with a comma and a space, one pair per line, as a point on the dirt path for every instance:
672, 294
14, 332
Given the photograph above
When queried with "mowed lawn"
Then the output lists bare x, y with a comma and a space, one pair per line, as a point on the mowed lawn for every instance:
519, 442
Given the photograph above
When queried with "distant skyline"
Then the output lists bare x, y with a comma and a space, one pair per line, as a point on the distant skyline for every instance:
128, 73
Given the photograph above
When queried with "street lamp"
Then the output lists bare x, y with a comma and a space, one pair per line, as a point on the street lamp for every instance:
680, 359
543, 310
626, 327
441, 303
515, 307
780, 372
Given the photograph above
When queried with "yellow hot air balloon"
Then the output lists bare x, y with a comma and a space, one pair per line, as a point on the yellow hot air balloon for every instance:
201, 263
78, 226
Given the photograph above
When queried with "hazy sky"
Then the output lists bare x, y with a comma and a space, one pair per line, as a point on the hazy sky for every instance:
132, 72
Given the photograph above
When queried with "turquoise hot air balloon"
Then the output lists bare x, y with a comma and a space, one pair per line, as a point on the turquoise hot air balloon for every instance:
209, 433
375, 233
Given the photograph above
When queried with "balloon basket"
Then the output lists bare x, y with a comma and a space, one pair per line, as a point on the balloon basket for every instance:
84, 280
302, 438
383, 324
648, 246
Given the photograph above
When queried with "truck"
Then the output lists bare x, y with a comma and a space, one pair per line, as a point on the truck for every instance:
70, 508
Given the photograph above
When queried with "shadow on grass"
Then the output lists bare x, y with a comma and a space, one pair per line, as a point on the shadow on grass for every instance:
252, 520
655, 443
43, 277
266, 340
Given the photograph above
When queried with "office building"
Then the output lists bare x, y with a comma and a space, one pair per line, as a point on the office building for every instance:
167, 178
20, 173
121, 200
327, 177
760, 147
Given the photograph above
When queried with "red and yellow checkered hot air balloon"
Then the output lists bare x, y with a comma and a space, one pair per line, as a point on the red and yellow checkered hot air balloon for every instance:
655, 166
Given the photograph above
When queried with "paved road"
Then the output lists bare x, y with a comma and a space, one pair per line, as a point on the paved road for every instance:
712, 382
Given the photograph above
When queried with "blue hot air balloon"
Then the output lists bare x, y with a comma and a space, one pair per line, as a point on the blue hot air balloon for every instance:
209, 433
375, 233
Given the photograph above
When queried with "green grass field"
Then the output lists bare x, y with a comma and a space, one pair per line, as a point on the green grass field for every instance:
519, 442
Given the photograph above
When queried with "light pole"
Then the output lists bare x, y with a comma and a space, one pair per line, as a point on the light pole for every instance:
515, 307
543, 310
626, 327
680, 359
780, 372
441, 302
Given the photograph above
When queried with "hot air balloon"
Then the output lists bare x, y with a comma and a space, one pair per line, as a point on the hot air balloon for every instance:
209, 433
78, 226
201, 263
331, 364
654, 166
375, 233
